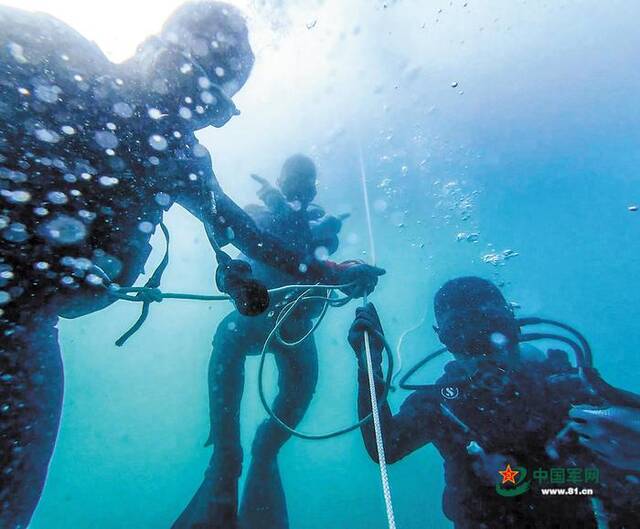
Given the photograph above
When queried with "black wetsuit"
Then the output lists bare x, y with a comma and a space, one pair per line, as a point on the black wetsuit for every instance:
89, 161
514, 414
215, 504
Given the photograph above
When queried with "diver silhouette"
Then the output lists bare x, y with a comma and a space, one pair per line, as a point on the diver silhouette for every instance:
498, 403
92, 156
288, 213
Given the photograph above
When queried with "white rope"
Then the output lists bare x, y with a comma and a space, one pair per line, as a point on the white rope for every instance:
384, 477
367, 209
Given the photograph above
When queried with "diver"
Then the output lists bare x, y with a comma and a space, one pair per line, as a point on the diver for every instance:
287, 212
498, 403
91, 156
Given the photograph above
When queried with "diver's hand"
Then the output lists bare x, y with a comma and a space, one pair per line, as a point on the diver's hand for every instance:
486, 466
363, 277
249, 296
612, 434
367, 320
265, 186
262, 181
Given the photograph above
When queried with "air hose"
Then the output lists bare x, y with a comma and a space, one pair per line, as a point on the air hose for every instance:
581, 349
274, 333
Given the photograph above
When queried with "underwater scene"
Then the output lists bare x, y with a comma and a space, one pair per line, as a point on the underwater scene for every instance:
311, 264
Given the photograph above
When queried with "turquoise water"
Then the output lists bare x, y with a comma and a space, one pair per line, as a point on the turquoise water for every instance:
534, 150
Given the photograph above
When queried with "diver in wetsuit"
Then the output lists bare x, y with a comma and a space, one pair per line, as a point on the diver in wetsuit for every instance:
496, 404
91, 155
288, 213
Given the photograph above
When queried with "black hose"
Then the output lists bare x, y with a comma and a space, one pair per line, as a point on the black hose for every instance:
588, 355
403, 381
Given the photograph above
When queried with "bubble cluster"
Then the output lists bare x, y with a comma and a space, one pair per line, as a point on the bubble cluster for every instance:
499, 258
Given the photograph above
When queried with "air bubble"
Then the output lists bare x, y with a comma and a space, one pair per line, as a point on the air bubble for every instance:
15, 232
64, 230
163, 199
207, 98
321, 253
19, 197
17, 52
67, 281
106, 139
108, 181
57, 197
47, 135
123, 109
158, 142
47, 93
145, 226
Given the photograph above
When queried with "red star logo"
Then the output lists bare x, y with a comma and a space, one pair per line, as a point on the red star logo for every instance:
508, 475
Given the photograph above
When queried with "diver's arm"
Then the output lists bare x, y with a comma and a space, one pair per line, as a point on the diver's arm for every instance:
228, 223
410, 428
272, 197
403, 433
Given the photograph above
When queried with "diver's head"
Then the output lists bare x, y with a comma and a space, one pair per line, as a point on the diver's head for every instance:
297, 179
200, 59
474, 319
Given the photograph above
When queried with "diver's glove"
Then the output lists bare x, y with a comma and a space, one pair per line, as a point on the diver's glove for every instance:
362, 278
612, 434
249, 295
367, 320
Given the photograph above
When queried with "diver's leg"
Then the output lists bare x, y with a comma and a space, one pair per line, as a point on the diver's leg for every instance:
263, 503
215, 502
31, 388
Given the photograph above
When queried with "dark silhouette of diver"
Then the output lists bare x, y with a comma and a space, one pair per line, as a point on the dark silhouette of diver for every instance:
91, 155
288, 213
497, 403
